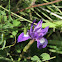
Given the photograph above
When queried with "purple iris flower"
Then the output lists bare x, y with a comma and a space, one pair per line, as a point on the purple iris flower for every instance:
37, 34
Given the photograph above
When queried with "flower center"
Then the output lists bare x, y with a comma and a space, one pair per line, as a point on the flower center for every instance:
26, 35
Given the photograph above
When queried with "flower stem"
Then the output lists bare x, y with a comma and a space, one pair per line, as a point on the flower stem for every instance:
28, 45
25, 49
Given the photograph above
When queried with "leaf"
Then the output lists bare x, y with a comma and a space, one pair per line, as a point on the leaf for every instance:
0, 19
2, 38
48, 24
14, 32
55, 51
18, 51
3, 13
10, 18
4, 58
35, 58
58, 23
9, 24
5, 18
11, 36
16, 23
45, 56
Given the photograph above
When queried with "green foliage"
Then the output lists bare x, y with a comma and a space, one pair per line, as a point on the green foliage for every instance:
35, 58
14, 32
16, 23
45, 56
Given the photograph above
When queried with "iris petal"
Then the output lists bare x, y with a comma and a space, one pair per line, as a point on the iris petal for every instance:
42, 43
37, 30
44, 31
23, 37
31, 29
45, 44
39, 25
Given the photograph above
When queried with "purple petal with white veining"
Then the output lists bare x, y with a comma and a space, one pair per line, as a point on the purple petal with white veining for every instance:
44, 31
39, 25
42, 43
38, 30
23, 37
